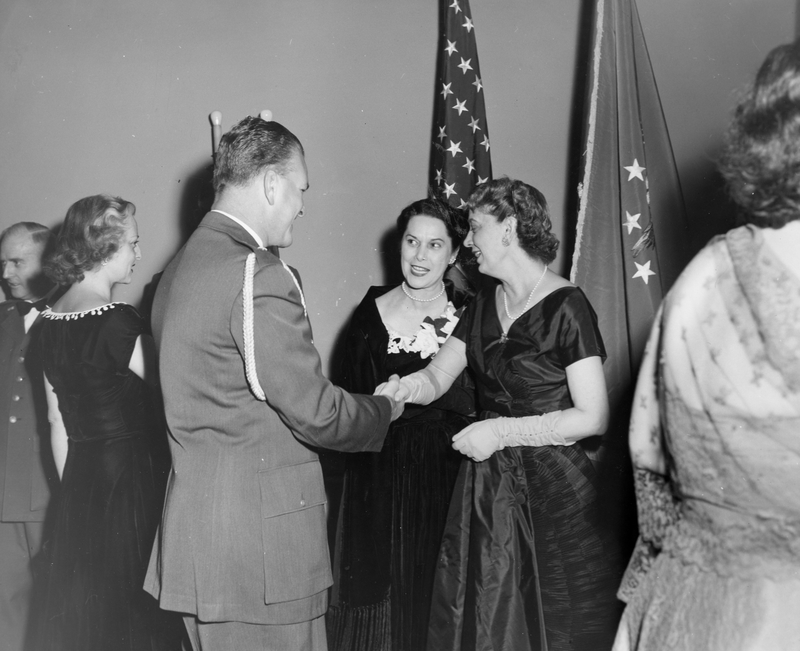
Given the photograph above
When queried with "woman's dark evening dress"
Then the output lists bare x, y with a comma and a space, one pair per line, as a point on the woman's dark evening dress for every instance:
524, 562
112, 488
395, 502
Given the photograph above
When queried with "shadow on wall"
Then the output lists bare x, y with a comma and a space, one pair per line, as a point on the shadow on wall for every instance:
709, 210
389, 246
333, 463
196, 200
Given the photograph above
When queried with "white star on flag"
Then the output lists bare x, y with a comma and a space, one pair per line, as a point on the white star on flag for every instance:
451, 47
632, 221
470, 165
438, 175
460, 106
468, 24
643, 271
442, 135
455, 6
477, 83
454, 148
485, 142
635, 170
446, 90
482, 180
449, 188
464, 65
474, 125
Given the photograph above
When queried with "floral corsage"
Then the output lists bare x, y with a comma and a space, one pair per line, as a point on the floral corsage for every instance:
430, 337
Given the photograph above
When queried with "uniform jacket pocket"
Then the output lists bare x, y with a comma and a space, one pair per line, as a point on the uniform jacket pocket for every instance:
294, 534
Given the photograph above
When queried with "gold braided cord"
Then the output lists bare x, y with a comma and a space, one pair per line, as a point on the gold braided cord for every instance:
249, 340
249, 344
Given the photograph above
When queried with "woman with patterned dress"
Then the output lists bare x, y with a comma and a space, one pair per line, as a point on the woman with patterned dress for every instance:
108, 443
715, 431
395, 501
524, 562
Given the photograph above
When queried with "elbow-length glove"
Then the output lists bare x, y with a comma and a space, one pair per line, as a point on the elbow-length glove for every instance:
416, 388
481, 440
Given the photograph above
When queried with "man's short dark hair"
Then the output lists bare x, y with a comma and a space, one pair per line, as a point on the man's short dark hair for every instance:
250, 147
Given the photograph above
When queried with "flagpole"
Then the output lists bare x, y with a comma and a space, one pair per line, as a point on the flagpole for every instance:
592, 126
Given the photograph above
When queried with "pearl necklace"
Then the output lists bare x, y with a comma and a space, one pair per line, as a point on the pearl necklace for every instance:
528, 302
422, 300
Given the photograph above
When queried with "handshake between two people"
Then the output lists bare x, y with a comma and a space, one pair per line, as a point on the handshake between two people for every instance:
396, 393
414, 388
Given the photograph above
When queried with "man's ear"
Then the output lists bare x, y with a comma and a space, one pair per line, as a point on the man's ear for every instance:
270, 181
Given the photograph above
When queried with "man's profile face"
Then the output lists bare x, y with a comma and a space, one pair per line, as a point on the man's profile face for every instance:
289, 201
21, 262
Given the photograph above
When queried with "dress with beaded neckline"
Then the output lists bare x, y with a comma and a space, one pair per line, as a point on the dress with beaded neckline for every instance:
112, 488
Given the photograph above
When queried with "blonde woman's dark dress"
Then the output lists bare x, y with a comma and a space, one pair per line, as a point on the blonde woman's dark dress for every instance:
112, 488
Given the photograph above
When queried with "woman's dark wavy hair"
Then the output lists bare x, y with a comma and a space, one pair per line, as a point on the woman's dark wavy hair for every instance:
251, 146
505, 197
761, 157
454, 219
92, 231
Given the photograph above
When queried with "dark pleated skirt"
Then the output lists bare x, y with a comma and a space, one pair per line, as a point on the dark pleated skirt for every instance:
393, 512
108, 511
525, 563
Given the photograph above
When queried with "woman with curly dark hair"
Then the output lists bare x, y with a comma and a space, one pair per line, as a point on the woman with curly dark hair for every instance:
395, 501
715, 429
524, 563
108, 442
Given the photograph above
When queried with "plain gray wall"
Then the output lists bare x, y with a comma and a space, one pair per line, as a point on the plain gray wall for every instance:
114, 96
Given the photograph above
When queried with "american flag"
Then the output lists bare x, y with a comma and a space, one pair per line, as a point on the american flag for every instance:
631, 240
460, 155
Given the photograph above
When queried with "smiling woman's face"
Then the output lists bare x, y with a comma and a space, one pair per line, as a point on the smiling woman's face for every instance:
425, 252
120, 265
485, 238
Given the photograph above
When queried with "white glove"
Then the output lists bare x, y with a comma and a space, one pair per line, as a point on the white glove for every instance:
481, 440
416, 388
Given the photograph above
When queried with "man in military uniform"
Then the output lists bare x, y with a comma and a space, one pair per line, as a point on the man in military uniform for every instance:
25, 474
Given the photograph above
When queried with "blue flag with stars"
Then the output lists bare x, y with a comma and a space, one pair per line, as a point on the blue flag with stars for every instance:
460, 157
632, 234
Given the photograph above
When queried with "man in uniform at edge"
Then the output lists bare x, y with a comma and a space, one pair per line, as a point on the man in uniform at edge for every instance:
243, 544
26, 468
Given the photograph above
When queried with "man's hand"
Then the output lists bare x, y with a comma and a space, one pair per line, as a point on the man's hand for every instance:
391, 389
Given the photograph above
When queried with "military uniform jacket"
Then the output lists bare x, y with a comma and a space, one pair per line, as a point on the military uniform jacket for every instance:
24, 429
243, 535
